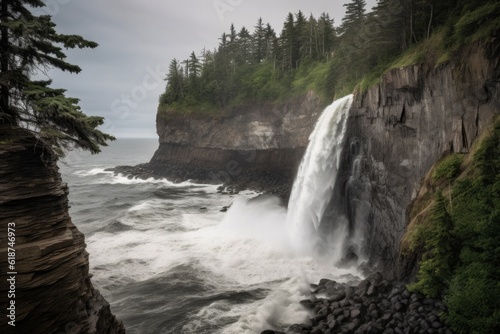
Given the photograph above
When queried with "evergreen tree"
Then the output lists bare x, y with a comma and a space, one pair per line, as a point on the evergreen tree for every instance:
259, 41
174, 90
232, 34
387, 37
326, 33
244, 46
194, 74
437, 266
300, 40
288, 43
29, 42
311, 45
272, 44
354, 16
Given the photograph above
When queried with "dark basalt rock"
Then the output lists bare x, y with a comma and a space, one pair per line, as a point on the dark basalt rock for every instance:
396, 131
374, 315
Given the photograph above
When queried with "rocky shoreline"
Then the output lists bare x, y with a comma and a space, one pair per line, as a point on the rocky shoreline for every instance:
268, 182
371, 306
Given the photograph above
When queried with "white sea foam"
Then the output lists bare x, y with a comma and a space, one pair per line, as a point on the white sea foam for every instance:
140, 207
92, 172
247, 250
255, 246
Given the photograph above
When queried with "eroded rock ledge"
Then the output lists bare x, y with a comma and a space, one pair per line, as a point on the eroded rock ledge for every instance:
399, 128
54, 293
256, 146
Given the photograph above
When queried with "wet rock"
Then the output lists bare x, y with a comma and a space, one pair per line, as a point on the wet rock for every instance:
371, 313
307, 303
352, 326
338, 296
398, 306
355, 313
371, 290
424, 325
374, 328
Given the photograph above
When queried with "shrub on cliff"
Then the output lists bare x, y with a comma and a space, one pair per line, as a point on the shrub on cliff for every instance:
448, 169
439, 260
463, 239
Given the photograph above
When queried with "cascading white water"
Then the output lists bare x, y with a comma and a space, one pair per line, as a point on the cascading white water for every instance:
313, 187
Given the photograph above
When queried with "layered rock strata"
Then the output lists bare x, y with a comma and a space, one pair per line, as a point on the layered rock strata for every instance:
398, 129
258, 146
53, 292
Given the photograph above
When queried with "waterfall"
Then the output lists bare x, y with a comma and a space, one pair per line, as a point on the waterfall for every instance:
315, 181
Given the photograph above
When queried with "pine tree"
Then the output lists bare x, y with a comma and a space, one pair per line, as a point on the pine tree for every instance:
272, 44
259, 41
388, 36
354, 16
437, 266
194, 74
301, 37
174, 91
288, 43
326, 33
244, 46
29, 42
311, 46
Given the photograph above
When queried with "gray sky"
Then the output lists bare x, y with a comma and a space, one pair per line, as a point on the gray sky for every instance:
123, 78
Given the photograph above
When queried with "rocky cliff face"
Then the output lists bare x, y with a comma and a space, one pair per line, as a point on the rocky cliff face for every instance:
52, 291
261, 138
398, 129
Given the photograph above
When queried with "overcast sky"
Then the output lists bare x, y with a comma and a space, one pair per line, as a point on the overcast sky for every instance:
123, 78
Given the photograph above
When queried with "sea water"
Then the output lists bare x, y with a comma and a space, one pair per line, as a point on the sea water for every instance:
169, 261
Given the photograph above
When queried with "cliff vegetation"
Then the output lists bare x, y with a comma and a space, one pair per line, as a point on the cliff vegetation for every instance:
313, 54
456, 225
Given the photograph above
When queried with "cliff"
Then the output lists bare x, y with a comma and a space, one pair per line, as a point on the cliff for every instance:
251, 142
52, 290
398, 129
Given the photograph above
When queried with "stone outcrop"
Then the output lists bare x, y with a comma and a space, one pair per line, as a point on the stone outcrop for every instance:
247, 143
373, 306
399, 128
53, 289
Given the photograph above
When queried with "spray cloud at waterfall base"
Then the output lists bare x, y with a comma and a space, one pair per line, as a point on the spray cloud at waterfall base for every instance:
167, 266
316, 224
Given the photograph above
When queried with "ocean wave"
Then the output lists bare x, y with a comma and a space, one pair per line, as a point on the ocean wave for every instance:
92, 172
129, 180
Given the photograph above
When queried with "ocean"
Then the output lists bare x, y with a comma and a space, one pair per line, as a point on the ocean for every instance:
170, 261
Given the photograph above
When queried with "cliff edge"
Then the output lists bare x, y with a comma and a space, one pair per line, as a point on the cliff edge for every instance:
51, 290
255, 146
398, 129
